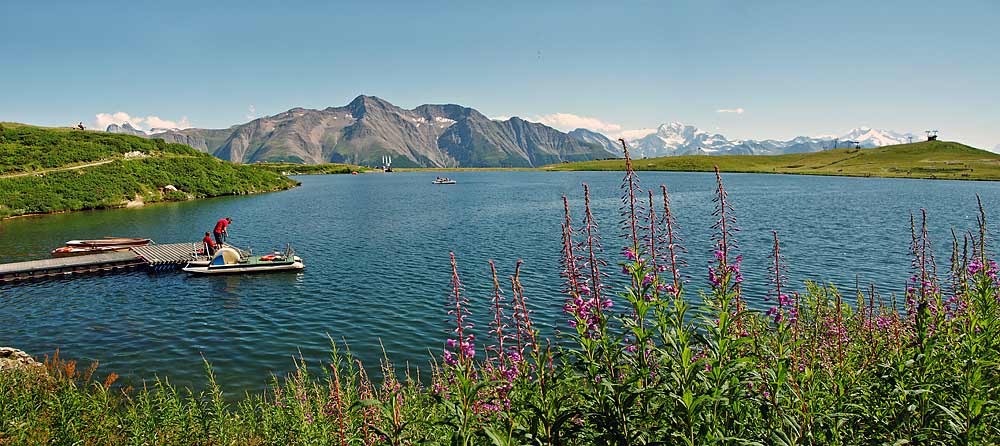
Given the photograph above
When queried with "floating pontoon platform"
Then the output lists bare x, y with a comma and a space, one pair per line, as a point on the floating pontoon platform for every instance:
152, 257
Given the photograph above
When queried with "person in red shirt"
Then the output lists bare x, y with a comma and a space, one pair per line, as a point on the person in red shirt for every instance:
220, 230
209, 244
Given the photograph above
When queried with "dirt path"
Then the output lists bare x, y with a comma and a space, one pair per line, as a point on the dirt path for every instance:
57, 169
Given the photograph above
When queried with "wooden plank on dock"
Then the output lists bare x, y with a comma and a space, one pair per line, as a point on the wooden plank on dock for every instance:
167, 254
63, 266
66, 262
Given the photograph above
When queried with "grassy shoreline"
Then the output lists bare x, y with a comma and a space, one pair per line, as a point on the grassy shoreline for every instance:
47, 170
923, 160
313, 169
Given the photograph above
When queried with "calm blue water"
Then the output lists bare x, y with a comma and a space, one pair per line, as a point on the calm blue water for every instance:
376, 252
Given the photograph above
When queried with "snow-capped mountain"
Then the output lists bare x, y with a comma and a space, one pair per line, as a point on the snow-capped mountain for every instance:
125, 128
877, 137
675, 138
679, 139
130, 130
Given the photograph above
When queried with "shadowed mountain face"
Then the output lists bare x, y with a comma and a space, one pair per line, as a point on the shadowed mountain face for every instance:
368, 128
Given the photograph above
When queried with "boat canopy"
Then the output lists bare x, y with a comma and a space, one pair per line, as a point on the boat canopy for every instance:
226, 256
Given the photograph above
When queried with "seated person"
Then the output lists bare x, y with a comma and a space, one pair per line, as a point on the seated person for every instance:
209, 244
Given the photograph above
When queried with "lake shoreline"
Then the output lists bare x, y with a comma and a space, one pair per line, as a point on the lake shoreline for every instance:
143, 204
811, 174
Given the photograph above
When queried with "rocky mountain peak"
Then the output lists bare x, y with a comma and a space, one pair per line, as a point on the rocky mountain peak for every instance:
369, 127
363, 104
125, 128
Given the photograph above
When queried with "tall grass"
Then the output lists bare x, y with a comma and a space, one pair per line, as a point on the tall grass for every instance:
651, 362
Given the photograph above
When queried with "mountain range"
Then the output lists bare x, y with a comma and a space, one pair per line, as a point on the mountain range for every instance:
369, 128
673, 139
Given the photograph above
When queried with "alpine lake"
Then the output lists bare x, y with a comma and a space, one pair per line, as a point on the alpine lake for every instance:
376, 249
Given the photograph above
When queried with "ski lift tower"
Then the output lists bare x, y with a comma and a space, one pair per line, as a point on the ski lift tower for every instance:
932, 135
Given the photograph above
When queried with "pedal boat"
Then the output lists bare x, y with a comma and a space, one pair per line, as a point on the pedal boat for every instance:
230, 261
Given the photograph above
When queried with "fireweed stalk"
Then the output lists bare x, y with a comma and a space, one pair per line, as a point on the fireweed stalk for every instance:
499, 320
461, 349
674, 248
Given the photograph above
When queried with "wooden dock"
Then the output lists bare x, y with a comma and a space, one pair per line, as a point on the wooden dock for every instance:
151, 257
167, 256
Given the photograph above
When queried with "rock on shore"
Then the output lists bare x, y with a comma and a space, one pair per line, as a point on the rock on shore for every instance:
12, 358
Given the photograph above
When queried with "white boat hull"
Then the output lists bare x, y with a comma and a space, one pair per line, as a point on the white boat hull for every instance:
203, 268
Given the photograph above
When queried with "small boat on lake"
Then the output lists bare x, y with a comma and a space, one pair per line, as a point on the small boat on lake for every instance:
228, 261
443, 180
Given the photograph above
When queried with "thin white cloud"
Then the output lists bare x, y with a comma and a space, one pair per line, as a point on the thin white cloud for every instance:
155, 122
634, 134
103, 120
569, 121
737, 110
251, 113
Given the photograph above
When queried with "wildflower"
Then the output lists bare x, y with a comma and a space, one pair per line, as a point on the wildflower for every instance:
646, 281
629, 254
459, 309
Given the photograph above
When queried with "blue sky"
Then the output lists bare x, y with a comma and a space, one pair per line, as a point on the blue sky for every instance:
793, 67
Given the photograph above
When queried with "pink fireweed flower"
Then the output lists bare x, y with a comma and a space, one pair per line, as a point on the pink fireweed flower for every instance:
974, 267
646, 281
629, 254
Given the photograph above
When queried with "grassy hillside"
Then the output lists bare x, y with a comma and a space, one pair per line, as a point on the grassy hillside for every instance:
929, 159
311, 169
46, 170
